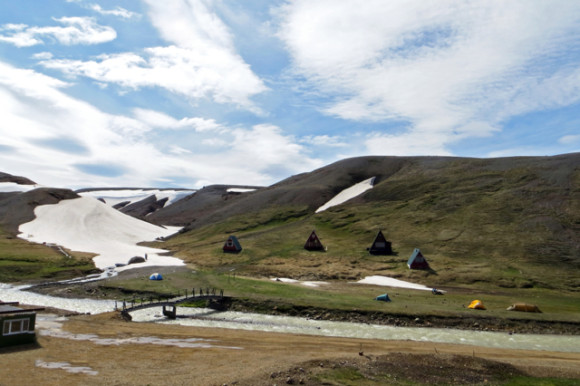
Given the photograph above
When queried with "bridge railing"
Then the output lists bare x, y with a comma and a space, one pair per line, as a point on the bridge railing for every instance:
180, 296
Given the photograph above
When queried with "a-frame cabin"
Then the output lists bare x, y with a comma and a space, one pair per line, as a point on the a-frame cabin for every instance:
313, 243
380, 246
232, 245
417, 260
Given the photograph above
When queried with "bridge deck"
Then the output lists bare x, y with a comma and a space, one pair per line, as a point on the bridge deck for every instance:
129, 305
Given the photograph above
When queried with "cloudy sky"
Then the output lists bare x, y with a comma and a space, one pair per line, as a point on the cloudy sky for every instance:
186, 93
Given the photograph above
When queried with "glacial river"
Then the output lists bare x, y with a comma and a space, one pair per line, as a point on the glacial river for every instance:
294, 325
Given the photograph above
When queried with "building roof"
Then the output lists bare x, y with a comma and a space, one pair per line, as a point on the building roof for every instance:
10, 308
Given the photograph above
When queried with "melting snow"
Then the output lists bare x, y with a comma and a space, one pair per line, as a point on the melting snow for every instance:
6, 187
86, 224
51, 326
66, 366
240, 190
304, 283
390, 282
114, 197
348, 194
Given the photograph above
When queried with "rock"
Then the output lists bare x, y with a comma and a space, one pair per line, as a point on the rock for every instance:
136, 260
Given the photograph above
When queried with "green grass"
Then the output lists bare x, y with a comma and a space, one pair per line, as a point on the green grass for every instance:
24, 261
347, 297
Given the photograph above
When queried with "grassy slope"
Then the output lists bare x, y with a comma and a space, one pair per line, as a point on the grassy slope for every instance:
506, 232
503, 230
24, 261
514, 228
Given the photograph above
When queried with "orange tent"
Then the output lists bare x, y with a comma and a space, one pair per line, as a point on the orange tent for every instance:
476, 305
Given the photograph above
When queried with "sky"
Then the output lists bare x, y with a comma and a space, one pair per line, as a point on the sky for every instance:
188, 93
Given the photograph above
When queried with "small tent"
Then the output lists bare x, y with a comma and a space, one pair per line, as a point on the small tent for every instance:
476, 305
417, 261
156, 276
380, 246
313, 243
232, 245
383, 298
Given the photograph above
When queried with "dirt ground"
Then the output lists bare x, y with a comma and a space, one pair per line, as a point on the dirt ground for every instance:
236, 357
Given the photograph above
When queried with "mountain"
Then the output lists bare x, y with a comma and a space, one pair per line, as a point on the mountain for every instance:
507, 221
512, 221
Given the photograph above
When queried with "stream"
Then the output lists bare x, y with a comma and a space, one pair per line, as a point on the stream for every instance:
293, 325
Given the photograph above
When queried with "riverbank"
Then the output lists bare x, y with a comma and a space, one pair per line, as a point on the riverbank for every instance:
477, 322
104, 350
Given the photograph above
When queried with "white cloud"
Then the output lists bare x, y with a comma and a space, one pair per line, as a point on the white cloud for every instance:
409, 144
161, 120
75, 30
117, 11
40, 123
201, 61
451, 69
569, 139
43, 56
325, 141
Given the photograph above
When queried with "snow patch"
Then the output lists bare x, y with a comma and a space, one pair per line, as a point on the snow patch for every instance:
348, 193
114, 197
304, 283
86, 224
391, 282
7, 187
66, 366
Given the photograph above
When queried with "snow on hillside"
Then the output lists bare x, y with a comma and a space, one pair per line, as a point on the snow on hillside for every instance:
391, 282
348, 194
240, 190
7, 187
116, 196
86, 224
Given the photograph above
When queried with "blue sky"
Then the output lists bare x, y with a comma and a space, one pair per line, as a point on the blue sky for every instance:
186, 93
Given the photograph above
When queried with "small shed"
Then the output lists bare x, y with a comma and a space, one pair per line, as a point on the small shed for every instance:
417, 260
17, 324
232, 245
313, 243
380, 246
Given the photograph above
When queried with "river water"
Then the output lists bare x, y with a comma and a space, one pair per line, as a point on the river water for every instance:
293, 325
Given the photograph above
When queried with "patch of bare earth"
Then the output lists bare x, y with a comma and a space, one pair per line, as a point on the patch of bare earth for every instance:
254, 358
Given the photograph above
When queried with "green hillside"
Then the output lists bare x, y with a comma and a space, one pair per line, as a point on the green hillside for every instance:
509, 223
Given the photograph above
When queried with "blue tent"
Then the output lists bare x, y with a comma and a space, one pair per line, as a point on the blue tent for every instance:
383, 298
156, 276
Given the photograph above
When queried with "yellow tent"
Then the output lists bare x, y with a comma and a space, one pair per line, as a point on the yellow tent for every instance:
477, 305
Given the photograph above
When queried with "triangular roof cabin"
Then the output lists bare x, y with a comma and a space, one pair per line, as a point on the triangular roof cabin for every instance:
417, 261
381, 246
232, 245
313, 243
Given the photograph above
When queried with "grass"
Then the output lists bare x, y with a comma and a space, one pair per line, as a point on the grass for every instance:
341, 296
24, 261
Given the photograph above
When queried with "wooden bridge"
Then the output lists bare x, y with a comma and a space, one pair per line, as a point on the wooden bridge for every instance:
169, 302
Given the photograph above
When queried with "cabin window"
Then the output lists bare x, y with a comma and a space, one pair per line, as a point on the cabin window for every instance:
380, 244
15, 326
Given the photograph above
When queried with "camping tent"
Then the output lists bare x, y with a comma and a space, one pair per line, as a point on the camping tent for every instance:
156, 276
313, 243
383, 298
476, 305
380, 246
232, 245
417, 261
524, 307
